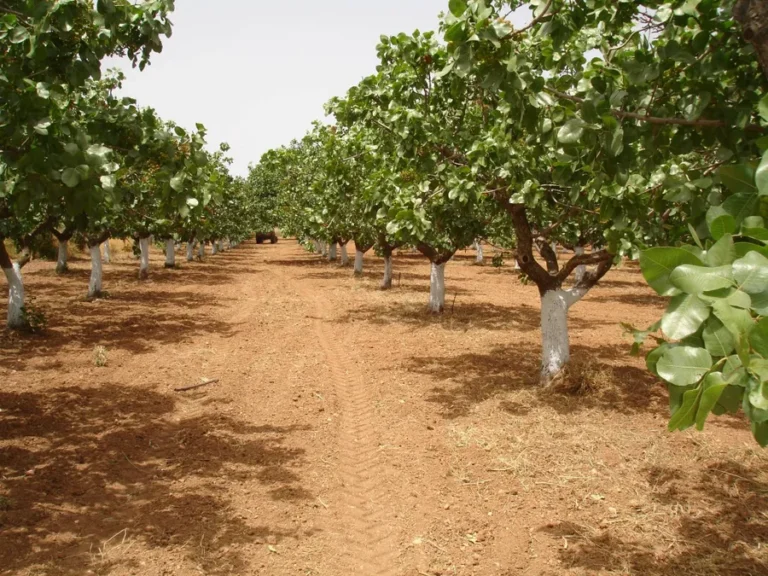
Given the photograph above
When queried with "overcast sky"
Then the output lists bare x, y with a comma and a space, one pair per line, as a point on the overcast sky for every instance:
257, 72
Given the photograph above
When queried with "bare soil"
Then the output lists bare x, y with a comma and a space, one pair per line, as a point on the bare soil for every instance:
352, 433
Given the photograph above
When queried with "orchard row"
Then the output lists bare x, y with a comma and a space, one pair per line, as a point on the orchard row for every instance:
615, 129
75, 159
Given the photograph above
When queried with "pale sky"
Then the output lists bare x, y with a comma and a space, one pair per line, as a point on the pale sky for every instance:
258, 72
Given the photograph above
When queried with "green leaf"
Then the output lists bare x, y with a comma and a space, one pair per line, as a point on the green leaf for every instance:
751, 273
685, 416
684, 365
761, 176
177, 182
617, 142
722, 225
741, 206
653, 357
723, 252
41, 127
758, 338
739, 178
70, 177
760, 432
657, 264
571, 132
19, 35
758, 394
718, 340
193, 202
684, 316
697, 279
108, 182
712, 389
457, 7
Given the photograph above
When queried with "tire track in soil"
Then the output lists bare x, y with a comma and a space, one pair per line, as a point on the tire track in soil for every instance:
369, 541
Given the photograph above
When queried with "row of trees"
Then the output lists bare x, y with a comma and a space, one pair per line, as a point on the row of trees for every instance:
76, 159
606, 127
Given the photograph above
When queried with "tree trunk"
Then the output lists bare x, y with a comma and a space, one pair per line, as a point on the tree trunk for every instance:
170, 253
16, 318
332, 252
387, 282
324, 248
94, 286
144, 258
201, 250
580, 270
190, 251
479, 258
316, 245
107, 252
214, 248
359, 262
344, 255
221, 245
555, 347
61, 262
437, 288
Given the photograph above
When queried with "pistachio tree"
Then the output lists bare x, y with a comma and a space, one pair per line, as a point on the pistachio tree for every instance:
50, 50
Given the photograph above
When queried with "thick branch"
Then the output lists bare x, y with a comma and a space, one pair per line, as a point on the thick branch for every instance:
585, 260
5, 258
549, 255
700, 123
525, 258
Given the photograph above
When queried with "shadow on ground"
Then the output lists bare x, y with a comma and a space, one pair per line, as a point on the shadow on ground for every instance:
83, 465
721, 541
465, 380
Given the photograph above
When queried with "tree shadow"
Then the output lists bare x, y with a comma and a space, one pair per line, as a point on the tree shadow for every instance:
722, 538
632, 299
466, 380
82, 465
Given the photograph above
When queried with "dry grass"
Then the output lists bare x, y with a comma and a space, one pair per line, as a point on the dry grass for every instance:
99, 356
584, 376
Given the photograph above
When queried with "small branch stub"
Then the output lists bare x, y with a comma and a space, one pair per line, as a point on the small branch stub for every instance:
194, 386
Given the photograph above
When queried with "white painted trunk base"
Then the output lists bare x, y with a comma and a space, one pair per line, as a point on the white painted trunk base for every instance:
221, 245
555, 344
15, 296
332, 253
479, 258
437, 288
201, 250
386, 284
344, 256
107, 253
190, 251
61, 262
324, 248
358, 262
94, 286
316, 245
144, 258
170, 254
214, 247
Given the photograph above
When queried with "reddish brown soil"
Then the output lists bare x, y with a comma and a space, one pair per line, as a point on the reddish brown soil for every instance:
351, 433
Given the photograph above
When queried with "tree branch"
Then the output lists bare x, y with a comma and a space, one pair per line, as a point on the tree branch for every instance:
700, 123
585, 260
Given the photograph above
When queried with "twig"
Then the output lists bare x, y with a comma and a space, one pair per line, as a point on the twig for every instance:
193, 386
131, 463
454, 302
443, 550
321, 502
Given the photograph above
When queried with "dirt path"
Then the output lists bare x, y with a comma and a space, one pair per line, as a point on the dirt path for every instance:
351, 433
369, 541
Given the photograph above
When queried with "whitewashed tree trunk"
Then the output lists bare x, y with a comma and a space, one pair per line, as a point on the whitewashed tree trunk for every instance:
170, 253
94, 286
61, 262
553, 245
221, 245
437, 288
201, 250
344, 256
144, 258
580, 270
316, 244
214, 247
190, 251
555, 344
324, 248
107, 253
359, 262
479, 258
387, 282
15, 296
332, 252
